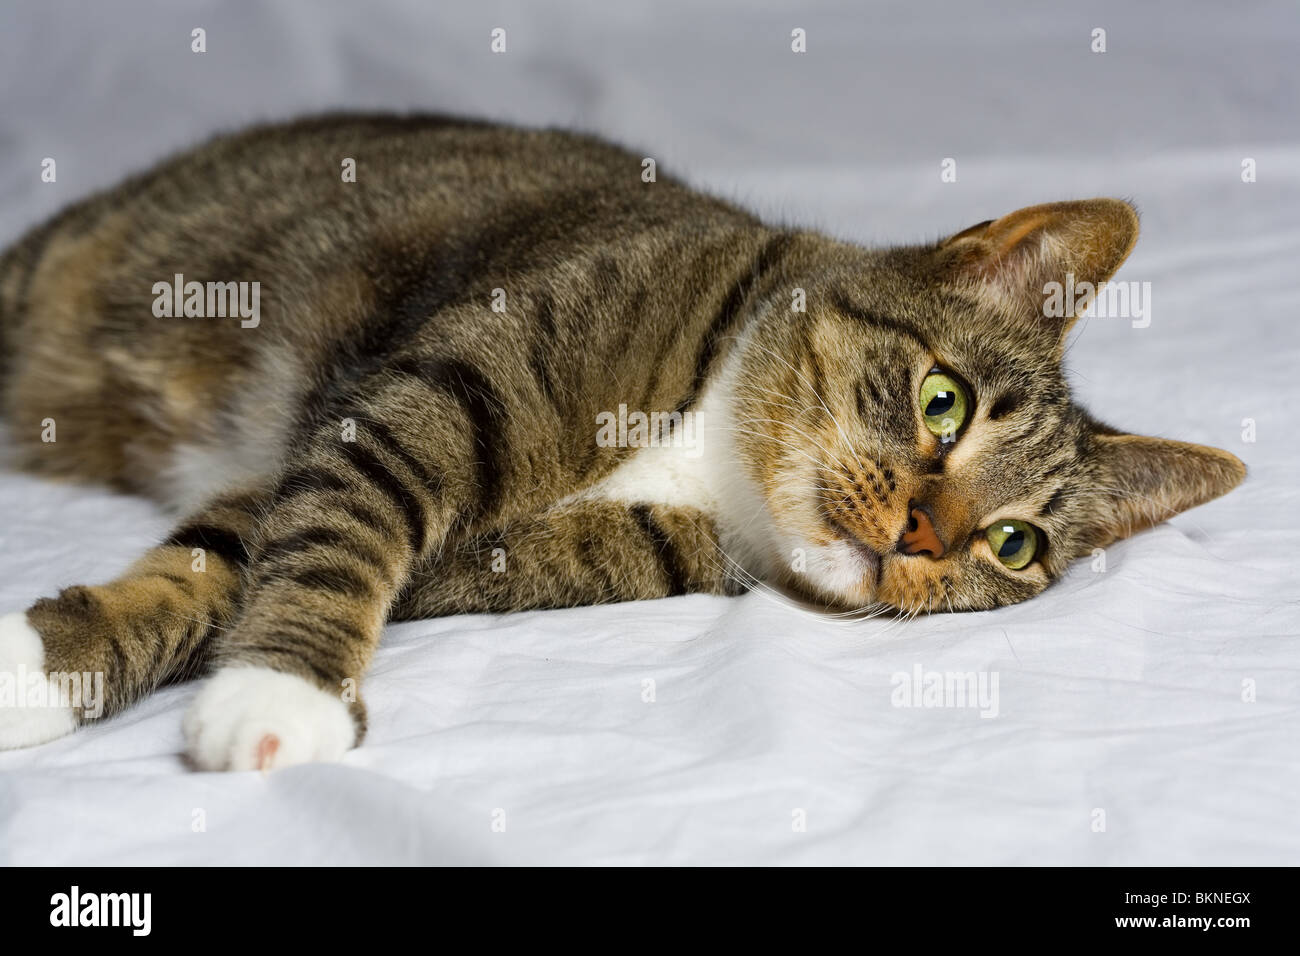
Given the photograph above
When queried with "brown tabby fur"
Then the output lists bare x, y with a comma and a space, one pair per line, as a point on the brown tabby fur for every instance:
474, 428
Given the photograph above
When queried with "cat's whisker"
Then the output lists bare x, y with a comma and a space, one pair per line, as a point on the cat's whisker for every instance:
823, 465
866, 612
781, 441
792, 404
843, 434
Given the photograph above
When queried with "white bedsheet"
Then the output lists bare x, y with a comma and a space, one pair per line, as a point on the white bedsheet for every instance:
1119, 692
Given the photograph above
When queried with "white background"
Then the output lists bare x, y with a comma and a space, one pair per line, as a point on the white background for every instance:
1119, 691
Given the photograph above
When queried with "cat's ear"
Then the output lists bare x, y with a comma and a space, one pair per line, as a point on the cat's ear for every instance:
1142, 481
1019, 256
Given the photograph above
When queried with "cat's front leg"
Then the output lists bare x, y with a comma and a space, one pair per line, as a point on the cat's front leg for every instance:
359, 507
91, 651
588, 551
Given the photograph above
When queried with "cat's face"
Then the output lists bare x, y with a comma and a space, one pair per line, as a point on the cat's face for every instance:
915, 439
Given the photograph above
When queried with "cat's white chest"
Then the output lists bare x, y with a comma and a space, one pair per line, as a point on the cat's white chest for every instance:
677, 476
700, 467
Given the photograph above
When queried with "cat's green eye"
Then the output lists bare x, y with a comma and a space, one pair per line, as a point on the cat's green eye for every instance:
1015, 543
944, 405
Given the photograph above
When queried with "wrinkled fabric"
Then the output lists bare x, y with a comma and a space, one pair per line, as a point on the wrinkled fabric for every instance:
1146, 707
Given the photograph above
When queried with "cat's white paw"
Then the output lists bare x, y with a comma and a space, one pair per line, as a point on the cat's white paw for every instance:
31, 711
255, 718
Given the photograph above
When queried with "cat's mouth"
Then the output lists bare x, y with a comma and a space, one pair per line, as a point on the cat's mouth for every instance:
867, 561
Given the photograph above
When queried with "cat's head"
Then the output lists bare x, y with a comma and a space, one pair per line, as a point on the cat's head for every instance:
913, 435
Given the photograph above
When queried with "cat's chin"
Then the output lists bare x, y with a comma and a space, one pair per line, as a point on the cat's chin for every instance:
844, 573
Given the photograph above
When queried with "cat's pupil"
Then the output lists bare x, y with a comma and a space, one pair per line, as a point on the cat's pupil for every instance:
1012, 545
941, 404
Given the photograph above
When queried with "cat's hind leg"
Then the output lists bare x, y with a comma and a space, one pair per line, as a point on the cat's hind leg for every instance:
91, 651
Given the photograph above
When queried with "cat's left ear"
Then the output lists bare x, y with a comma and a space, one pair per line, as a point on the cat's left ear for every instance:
1018, 256
1144, 481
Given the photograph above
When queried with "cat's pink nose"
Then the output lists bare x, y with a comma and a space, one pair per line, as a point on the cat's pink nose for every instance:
920, 536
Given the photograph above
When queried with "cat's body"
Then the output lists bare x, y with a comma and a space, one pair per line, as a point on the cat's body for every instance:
418, 420
355, 279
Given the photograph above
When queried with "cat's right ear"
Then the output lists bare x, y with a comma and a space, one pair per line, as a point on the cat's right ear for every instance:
1019, 257
1142, 481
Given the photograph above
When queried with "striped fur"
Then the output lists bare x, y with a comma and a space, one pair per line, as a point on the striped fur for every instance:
385, 444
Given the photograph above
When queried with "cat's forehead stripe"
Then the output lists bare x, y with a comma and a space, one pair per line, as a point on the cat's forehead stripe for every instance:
866, 317
1005, 404
1053, 503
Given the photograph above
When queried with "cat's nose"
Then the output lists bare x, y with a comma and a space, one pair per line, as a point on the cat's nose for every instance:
920, 536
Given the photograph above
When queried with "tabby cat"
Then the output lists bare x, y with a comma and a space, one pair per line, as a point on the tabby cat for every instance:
441, 407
